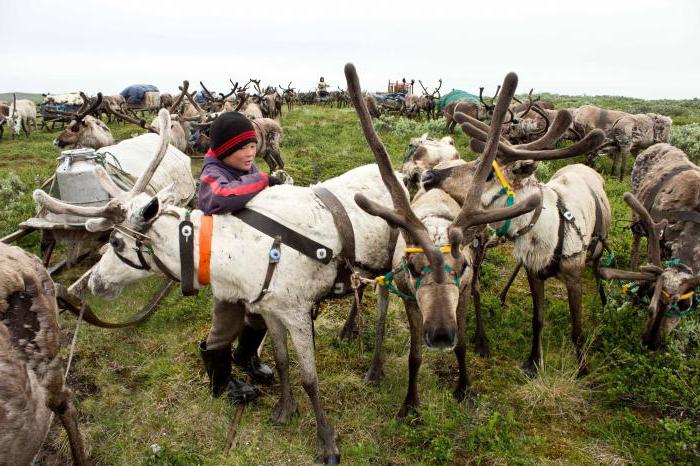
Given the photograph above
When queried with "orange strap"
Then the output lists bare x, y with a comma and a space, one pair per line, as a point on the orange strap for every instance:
206, 226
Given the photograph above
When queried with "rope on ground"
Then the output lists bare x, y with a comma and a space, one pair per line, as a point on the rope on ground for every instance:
83, 305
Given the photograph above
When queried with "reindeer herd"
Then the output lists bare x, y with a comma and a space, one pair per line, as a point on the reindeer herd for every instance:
447, 213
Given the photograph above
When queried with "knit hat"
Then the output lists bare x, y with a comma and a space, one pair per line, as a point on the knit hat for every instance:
229, 132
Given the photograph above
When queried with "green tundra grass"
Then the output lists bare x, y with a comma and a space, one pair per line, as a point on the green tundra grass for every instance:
145, 386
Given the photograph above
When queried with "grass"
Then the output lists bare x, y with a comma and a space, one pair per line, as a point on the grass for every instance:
142, 393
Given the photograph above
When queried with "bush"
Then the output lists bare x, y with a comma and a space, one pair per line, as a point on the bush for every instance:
405, 127
687, 138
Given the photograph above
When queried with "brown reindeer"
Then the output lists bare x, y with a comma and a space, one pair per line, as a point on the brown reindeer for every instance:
220, 103
427, 100
574, 205
85, 130
665, 199
625, 133
432, 276
289, 96
481, 112
31, 372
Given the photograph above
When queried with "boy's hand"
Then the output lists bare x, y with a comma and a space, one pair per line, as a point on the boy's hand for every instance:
274, 181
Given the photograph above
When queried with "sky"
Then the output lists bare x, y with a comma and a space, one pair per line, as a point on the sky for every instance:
637, 48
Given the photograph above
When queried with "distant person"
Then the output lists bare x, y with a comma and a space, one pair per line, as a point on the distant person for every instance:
323, 88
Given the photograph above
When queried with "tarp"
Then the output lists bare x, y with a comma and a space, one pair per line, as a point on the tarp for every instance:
455, 96
134, 93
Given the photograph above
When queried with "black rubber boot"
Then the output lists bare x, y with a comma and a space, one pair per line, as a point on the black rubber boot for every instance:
218, 366
246, 355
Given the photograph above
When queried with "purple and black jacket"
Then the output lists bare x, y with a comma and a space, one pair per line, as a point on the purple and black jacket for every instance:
226, 190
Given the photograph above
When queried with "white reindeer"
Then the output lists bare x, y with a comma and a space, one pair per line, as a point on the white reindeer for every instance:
22, 112
239, 259
555, 241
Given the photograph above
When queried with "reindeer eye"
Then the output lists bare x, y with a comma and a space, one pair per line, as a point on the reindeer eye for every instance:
116, 243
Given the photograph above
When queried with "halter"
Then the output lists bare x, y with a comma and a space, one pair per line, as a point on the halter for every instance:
387, 281
144, 244
510, 201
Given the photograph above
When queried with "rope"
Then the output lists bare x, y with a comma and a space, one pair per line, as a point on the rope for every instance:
510, 201
77, 330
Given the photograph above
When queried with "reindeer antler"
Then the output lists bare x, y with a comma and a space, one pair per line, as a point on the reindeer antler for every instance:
531, 151
472, 213
208, 95
178, 100
402, 215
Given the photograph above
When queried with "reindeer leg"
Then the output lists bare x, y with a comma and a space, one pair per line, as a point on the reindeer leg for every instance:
623, 162
375, 373
350, 330
69, 418
286, 407
531, 365
303, 343
573, 290
480, 339
415, 323
460, 350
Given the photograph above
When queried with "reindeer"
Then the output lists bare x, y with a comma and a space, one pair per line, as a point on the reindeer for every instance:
221, 103
4, 113
289, 95
665, 198
481, 112
433, 259
248, 105
424, 153
32, 385
296, 285
20, 114
266, 100
625, 133
574, 205
426, 103
111, 103
85, 130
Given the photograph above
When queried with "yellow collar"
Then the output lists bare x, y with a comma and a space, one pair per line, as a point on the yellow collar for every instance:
502, 179
685, 296
443, 249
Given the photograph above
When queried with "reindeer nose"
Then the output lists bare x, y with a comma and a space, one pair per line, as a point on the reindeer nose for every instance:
429, 180
440, 338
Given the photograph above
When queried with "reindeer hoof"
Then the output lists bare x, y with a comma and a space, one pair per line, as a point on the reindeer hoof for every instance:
530, 368
374, 376
406, 410
283, 412
329, 459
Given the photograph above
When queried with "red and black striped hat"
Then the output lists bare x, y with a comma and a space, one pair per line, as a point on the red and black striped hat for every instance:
229, 132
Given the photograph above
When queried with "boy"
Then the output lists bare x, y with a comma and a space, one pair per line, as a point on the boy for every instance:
229, 179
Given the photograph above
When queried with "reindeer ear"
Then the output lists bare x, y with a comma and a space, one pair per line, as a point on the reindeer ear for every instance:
150, 210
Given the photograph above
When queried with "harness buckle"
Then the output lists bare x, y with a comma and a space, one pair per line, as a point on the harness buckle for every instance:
568, 216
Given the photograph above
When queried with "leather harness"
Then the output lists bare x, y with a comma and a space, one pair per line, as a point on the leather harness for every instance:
567, 218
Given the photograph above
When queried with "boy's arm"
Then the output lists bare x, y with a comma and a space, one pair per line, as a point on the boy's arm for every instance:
218, 195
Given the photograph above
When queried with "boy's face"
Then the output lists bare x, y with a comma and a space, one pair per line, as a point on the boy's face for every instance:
243, 158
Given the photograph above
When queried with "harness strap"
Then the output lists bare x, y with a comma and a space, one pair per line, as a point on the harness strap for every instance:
291, 238
275, 254
206, 226
535, 218
341, 220
552, 268
186, 240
